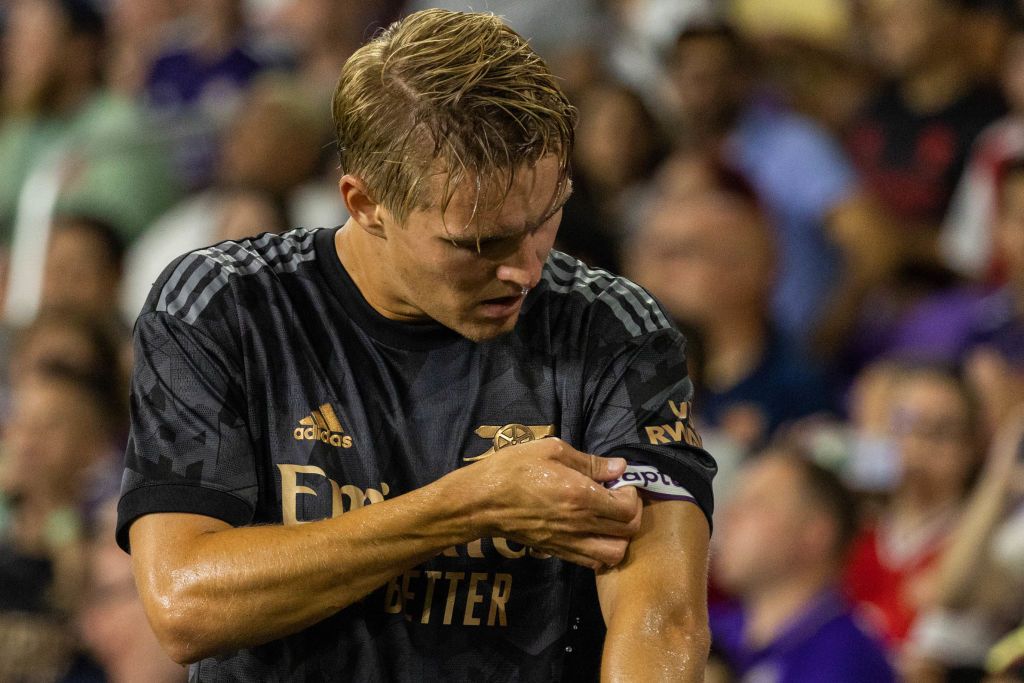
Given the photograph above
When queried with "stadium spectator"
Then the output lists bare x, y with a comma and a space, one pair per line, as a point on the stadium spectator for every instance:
912, 139
84, 263
58, 439
640, 32
112, 623
980, 583
137, 31
709, 259
892, 568
321, 34
212, 66
73, 339
967, 233
618, 147
781, 544
272, 148
197, 84
54, 103
246, 211
800, 173
65, 142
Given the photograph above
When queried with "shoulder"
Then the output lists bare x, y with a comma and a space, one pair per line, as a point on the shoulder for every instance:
572, 297
190, 283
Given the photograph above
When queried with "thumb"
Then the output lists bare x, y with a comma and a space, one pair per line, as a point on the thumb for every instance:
594, 466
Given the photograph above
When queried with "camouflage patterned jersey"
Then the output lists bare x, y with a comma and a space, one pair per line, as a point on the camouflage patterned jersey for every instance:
268, 391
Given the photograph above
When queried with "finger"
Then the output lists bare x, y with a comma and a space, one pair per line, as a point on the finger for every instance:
605, 550
603, 526
620, 505
593, 466
595, 552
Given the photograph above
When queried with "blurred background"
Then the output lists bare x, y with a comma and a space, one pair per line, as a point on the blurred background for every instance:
827, 196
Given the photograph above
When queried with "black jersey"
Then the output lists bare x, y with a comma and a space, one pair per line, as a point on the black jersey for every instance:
267, 390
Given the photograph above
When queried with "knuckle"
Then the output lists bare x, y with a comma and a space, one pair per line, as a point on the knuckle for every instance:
618, 553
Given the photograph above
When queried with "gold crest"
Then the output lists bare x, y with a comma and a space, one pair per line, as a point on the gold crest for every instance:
511, 434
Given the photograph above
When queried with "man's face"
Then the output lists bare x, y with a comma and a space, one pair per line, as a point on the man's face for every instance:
762, 528
466, 269
705, 81
52, 436
704, 257
79, 272
932, 433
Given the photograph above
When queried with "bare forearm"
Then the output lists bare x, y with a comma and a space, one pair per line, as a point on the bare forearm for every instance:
655, 602
208, 587
653, 647
240, 587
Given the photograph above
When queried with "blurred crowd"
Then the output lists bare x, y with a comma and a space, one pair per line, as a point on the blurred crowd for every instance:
827, 196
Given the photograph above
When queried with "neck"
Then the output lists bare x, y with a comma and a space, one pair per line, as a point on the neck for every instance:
362, 256
771, 609
934, 87
735, 344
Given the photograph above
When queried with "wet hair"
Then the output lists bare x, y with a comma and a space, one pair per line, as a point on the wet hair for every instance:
452, 93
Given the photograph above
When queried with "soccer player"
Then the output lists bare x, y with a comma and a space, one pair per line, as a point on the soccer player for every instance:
338, 467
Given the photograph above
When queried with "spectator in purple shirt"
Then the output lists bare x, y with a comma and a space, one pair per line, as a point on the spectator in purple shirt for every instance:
782, 539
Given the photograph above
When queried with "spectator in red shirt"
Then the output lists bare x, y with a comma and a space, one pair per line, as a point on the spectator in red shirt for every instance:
893, 564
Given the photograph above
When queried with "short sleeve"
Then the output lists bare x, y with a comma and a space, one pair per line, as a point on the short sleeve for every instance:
641, 411
189, 449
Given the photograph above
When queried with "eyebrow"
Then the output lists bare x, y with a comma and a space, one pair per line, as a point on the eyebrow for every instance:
506, 232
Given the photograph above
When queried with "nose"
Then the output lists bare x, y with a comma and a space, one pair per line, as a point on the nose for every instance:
524, 269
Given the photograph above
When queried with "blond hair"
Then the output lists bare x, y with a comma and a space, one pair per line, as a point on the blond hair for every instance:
456, 94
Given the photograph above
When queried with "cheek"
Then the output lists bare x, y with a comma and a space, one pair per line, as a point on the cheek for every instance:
951, 464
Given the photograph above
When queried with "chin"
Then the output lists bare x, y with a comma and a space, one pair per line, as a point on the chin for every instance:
478, 331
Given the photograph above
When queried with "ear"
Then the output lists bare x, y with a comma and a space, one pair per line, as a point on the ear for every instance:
363, 208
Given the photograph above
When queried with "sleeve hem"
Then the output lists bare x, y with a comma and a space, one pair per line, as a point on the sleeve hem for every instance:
695, 484
196, 500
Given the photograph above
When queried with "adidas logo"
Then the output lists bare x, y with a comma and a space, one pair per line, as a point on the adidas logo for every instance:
322, 425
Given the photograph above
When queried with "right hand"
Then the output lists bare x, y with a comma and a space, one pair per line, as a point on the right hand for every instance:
547, 495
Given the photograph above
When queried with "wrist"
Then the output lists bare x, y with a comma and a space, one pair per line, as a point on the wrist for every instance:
466, 504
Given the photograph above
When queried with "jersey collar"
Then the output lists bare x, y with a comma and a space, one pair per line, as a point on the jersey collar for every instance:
394, 333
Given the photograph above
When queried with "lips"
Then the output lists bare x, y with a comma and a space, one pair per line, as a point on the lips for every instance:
502, 306
503, 300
